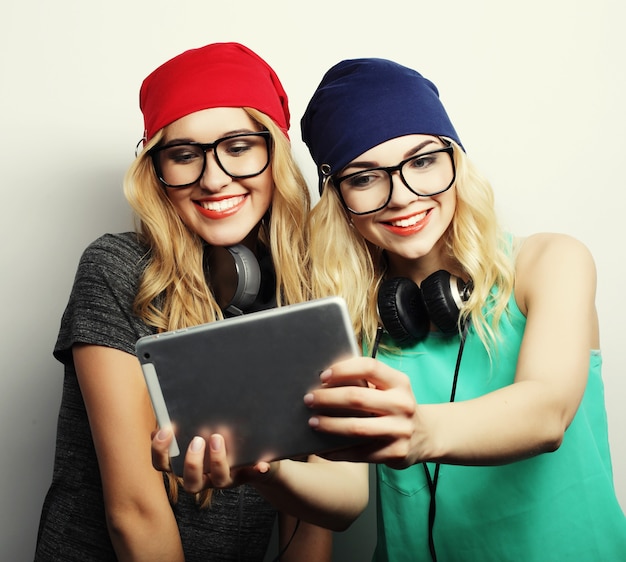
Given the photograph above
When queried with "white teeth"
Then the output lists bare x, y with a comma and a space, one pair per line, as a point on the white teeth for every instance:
222, 205
410, 221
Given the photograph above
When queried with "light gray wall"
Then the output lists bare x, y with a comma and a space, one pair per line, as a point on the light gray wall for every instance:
536, 90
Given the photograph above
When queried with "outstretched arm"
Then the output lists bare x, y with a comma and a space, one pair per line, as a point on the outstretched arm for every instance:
555, 289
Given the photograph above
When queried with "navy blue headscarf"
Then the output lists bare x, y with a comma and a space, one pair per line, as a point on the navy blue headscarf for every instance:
361, 103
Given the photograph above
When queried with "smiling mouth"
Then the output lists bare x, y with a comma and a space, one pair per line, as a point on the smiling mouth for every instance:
410, 221
221, 205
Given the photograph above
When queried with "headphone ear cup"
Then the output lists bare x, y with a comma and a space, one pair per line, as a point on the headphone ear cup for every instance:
266, 297
248, 279
443, 296
402, 311
234, 276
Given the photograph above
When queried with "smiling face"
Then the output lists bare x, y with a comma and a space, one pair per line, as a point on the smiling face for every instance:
410, 226
221, 210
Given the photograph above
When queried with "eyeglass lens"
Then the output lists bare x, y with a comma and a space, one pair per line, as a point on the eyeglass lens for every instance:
238, 156
425, 174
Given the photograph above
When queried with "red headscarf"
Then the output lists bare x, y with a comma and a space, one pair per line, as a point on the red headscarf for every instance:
217, 75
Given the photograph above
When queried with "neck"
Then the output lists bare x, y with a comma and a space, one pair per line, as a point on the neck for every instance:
418, 269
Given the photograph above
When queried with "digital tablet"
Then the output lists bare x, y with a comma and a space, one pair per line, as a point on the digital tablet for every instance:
245, 378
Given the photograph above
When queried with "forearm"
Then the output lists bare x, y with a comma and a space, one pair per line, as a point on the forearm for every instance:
328, 494
510, 424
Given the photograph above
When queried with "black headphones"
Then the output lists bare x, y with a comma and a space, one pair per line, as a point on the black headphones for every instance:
406, 310
240, 282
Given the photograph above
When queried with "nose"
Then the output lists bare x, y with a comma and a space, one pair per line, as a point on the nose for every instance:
401, 195
213, 179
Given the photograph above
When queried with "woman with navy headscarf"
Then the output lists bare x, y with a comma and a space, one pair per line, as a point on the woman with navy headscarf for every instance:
484, 410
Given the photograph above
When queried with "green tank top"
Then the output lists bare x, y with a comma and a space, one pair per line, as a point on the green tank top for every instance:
558, 506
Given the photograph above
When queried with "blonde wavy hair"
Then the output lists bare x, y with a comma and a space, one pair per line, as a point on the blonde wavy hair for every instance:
173, 291
344, 263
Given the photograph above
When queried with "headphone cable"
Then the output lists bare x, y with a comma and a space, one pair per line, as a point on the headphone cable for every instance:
432, 481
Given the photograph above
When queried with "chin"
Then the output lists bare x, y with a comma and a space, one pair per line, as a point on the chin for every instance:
413, 252
226, 238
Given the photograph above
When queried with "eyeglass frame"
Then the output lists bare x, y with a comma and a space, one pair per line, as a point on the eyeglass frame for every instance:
389, 170
205, 147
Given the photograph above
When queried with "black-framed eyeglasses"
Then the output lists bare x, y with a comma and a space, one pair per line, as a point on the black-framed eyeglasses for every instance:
426, 174
241, 156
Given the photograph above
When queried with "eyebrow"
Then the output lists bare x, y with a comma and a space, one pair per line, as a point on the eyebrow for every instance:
366, 165
186, 140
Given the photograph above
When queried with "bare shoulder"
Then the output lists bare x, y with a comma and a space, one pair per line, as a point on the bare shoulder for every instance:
546, 263
545, 248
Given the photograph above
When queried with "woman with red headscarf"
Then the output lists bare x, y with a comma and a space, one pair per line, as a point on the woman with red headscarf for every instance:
216, 171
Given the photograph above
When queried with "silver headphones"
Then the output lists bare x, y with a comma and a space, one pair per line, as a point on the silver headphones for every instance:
253, 280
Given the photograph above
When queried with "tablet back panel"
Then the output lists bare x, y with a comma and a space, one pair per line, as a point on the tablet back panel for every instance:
246, 377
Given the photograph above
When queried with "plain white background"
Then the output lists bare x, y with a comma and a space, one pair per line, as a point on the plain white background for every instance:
536, 90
